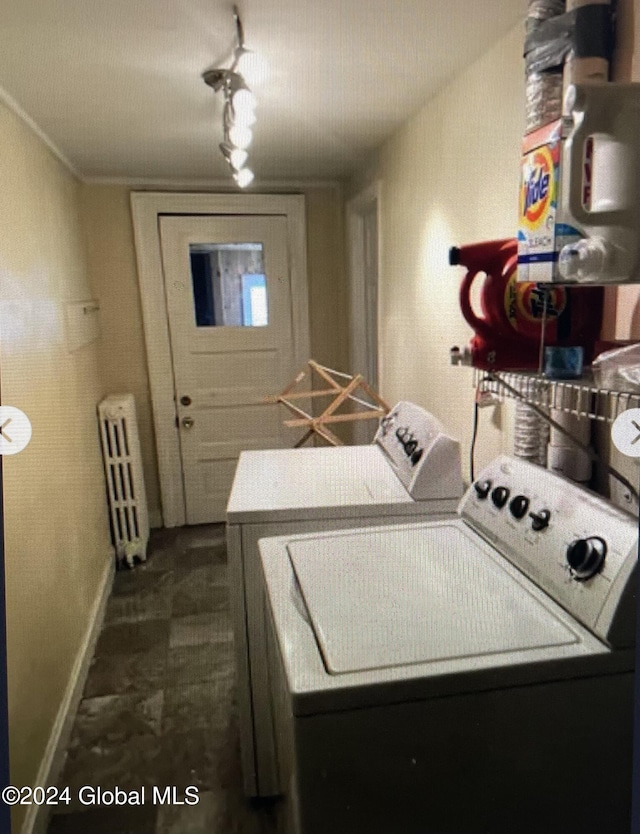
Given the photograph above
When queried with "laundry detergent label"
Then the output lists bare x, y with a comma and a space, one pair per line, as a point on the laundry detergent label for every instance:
524, 304
540, 235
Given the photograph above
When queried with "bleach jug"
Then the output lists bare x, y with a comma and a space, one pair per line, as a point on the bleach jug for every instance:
580, 190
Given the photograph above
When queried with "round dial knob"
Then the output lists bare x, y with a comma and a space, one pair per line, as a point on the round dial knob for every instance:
519, 506
586, 556
482, 488
500, 496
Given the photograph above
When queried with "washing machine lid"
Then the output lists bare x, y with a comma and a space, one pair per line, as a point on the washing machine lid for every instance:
335, 482
406, 595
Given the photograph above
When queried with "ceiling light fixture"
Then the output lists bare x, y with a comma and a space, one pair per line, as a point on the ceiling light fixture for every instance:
239, 107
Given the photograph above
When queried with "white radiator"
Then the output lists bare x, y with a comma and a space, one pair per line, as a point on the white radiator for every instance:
125, 478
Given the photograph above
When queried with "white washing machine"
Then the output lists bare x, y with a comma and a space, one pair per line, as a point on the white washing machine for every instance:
469, 675
412, 469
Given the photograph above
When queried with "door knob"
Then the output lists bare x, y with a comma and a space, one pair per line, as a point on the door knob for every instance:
187, 422
185, 400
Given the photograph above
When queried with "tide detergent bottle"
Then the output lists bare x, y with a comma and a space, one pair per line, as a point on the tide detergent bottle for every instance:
509, 327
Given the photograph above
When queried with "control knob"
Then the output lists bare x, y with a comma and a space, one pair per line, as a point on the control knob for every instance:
482, 488
410, 446
540, 520
401, 433
519, 506
586, 556
500, 496
415, 457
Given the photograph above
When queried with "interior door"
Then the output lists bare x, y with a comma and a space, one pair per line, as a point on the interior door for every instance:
230, 322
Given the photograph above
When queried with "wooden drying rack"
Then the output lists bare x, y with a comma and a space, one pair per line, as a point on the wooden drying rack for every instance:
341, 393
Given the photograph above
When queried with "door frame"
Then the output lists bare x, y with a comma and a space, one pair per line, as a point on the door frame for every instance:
146, 208
364, 203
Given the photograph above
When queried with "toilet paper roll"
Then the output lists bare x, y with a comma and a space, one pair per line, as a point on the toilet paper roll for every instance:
578, 428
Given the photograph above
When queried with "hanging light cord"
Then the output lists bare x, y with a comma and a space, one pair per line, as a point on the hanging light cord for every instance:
474, 435
240, 36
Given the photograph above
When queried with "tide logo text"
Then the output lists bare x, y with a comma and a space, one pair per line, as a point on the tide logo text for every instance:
537, 189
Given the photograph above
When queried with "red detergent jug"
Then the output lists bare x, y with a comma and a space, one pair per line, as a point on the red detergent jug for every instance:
507, 334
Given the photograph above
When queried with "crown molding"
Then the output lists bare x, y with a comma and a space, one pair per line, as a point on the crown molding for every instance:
221, 184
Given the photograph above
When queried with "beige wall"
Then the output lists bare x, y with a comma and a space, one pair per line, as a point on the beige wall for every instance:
106, 218
449, 176
328, 284
111, 262
56, 530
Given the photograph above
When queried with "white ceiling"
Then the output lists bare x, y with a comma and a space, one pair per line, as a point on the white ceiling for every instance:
116, 84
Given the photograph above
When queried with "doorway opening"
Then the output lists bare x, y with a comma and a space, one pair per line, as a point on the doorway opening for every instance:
223, 287
363, 230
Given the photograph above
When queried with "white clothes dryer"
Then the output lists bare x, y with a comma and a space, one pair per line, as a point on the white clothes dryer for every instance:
462, 676
411, 470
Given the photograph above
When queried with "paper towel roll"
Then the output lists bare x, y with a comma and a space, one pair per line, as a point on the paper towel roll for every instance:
578, 428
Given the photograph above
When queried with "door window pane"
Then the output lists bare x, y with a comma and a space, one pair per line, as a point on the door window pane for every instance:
254, 300
229, 285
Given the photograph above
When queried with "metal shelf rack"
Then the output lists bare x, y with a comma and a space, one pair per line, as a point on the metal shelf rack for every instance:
582, 397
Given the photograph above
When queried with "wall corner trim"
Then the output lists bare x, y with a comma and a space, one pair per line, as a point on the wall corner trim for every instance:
15, 108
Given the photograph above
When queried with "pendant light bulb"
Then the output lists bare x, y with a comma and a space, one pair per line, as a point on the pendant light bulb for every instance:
243, 177
244, 118
237, 158
240, 136
252, 67
243, 103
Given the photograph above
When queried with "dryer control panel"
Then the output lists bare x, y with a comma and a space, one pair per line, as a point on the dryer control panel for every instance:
574, 544
423, 456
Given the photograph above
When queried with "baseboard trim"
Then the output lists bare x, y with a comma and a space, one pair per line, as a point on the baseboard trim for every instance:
37, 817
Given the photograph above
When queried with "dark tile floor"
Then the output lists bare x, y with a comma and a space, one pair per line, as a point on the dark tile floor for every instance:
159, 706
